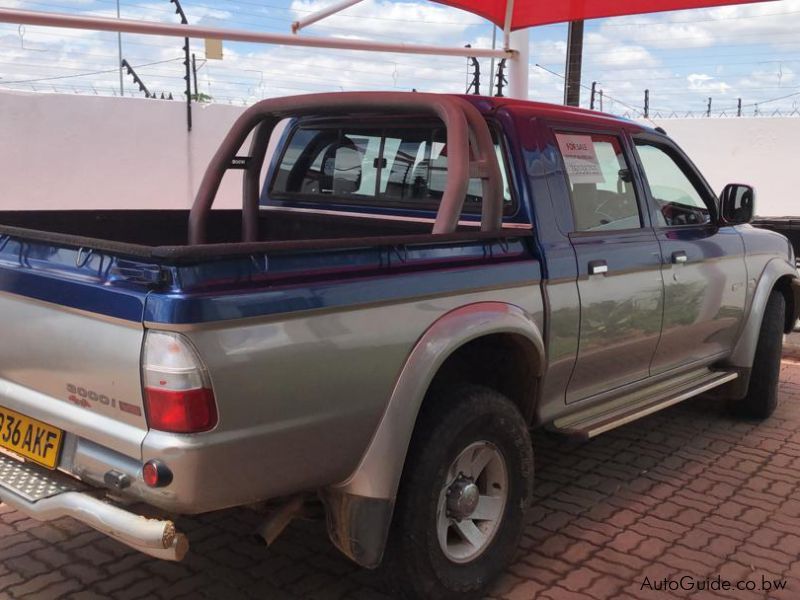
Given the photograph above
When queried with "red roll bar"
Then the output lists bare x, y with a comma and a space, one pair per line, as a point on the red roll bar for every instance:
469, 145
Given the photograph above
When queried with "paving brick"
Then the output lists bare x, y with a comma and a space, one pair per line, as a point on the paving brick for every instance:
525, 591
60, 589
8, 580
688, 491
36, 584
26, 566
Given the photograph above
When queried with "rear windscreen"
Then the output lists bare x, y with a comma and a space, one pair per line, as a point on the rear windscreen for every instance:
376, 166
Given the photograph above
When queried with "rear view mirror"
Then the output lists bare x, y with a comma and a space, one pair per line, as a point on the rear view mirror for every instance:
738, 203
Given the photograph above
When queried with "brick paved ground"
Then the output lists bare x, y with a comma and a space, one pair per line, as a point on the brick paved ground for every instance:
689, 491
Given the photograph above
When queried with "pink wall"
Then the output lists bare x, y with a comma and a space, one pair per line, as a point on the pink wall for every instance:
69, 151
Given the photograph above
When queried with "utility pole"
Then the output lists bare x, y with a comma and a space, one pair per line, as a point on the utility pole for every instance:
119, 48
186, 63
594, 91
646, 104
572, 79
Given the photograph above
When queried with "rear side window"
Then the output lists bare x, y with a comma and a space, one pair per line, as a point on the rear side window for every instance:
600, 182
378, 166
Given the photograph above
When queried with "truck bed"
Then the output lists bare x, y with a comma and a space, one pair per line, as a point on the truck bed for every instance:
139, 232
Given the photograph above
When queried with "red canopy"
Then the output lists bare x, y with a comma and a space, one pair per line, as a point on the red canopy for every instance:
528, 13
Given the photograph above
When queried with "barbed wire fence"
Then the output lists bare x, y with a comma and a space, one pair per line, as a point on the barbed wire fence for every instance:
254, 77
598, 98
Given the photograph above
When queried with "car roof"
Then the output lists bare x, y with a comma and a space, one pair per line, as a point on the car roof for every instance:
555, 112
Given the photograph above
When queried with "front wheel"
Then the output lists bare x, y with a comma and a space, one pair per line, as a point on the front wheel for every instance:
466, 485
762, 394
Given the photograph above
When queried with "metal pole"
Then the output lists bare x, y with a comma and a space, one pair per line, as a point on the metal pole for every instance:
739, 108
708, 110
44, 19
321, 14
572, 80
594, 91
494, 46
188, 78
646, 104
501, 78
519, 69
194, 73
187, 63
507, 24
601, 100
119, 48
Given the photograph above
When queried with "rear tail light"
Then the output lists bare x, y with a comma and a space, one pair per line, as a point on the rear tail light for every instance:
177, 391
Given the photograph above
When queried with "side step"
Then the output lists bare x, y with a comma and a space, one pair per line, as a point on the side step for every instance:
593, 421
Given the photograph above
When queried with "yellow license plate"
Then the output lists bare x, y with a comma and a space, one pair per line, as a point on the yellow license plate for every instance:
30, 438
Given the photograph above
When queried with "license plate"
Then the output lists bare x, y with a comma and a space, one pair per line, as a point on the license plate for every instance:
30, 438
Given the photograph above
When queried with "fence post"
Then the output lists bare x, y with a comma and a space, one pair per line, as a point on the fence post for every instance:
708, 110
646, 104
739, 108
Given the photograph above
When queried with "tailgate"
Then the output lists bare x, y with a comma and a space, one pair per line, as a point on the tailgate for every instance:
70, 345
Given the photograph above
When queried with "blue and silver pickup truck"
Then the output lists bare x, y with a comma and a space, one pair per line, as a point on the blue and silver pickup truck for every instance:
413, 283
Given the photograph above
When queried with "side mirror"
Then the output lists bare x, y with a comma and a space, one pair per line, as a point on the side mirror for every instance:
737, 204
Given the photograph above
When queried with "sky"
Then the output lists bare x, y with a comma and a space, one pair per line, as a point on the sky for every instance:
683, 58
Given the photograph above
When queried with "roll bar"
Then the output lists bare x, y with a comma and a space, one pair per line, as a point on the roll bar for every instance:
470, 153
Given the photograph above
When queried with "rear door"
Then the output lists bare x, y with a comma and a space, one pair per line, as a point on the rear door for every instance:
704, 270
618, 260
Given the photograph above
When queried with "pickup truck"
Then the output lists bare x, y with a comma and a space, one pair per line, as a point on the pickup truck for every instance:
413, 283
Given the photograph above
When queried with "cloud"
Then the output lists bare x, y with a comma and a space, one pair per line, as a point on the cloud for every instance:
739, 24
703, 82
616, 54
413, 22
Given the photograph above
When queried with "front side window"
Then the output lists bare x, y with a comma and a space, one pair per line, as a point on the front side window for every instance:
679, 201
600, 182
379, 166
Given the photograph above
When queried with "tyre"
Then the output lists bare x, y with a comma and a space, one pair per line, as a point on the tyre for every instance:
762, 393
466, 486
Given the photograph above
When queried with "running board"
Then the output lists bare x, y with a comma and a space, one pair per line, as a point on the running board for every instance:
590, 422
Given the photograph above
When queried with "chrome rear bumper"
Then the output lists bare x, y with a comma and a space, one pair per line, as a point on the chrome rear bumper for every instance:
48, 495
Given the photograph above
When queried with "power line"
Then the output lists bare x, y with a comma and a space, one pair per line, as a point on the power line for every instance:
116, 70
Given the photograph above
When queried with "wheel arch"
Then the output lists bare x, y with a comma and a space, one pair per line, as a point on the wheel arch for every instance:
777, 275
359, 510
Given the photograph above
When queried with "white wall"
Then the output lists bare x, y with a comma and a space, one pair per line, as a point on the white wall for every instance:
764, 152
69, 151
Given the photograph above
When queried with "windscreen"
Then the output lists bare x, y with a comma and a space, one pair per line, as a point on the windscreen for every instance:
401, 166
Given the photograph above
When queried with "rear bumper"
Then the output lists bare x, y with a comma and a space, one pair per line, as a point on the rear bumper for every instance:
46, 495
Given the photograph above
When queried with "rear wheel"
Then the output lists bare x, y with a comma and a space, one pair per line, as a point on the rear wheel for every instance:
762, 395
466, 485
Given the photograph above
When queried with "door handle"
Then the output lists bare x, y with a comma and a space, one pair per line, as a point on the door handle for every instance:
679, 257
598, 267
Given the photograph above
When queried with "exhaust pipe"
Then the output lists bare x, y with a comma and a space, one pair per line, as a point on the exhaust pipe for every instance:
276, 523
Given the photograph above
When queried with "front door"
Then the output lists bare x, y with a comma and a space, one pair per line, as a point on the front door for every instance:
619, 262
705, 278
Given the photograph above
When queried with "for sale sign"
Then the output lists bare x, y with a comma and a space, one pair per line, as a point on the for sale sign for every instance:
580, 158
